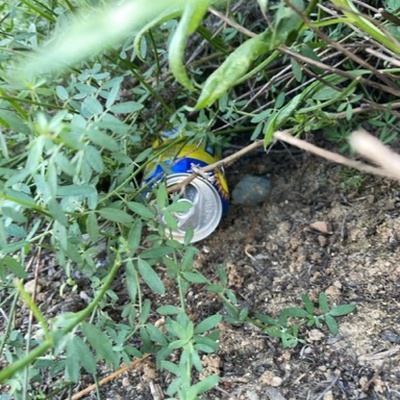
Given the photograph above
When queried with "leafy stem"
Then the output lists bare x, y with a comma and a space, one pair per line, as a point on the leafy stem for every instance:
75, 321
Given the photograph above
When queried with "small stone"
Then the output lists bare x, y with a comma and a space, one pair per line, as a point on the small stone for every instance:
320, 226
276, 381
332, 292
328, 396
315, 335
126, 382
30, 287
250, 395
322, 240
270, 379
251, 190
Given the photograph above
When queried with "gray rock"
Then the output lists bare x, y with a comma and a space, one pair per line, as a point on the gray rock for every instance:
251, 190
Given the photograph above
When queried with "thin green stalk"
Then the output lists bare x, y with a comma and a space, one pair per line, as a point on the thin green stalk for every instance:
9, 323
273, 56
36, 103
38, 351
355, 18
96, 381
34, 308
39, 11
156, 58
336, 98
27, 204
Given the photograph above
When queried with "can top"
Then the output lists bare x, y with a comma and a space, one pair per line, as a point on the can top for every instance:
205, 213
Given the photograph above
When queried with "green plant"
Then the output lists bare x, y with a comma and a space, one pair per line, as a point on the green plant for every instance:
85, 88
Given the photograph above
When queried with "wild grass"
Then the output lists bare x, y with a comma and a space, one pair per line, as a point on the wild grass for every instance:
85, 89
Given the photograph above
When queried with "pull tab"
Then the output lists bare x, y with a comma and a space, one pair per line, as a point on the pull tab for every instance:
192, 218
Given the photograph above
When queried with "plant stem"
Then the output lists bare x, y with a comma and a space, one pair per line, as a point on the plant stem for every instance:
38, 351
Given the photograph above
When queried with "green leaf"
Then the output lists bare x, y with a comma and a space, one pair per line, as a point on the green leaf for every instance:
323, 302
35, 154
209, 347
215, 288
100, 342
341, 310
168, 15
145, 312
273, 331
170, 220
194, 277
57, 212
156, 252
94, 159
177, 344
14, 266
115, 215
85, 356
243, 314
75, 190
291, 312
281, 117
143, 155
102, 139
332, 324
287, 22
3, 146
233, 68
169, 366
127, 107
168, 310
91, 107
131, 281
326, 93
208, 323
297, 71
72, 367
150, 277
14, 213
113, 94
92, 226
140, 209
12, 247
156, 335
196, 361
308, 304
182, 205
288, 340
204, 385
135, 236
222, 275
266, 319
162, 196
191, 18
62, 93
263, 4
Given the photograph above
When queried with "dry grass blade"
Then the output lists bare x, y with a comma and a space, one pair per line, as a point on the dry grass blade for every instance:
110, 377
337, 158
373, 149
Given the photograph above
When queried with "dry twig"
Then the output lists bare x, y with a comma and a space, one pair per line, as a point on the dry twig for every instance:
373, 149
329, 155
110, 377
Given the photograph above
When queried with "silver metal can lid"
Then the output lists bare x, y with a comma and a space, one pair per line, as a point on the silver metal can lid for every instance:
206, 211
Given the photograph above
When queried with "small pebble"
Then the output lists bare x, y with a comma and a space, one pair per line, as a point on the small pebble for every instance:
251, 190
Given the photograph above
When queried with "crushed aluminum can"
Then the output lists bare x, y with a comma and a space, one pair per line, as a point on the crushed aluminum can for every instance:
208, 193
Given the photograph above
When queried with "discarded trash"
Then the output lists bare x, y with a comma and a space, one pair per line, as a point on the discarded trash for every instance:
208, 193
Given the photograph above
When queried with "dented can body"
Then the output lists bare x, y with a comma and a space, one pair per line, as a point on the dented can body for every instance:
208, 193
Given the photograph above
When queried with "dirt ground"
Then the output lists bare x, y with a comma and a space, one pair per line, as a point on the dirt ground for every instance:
321, 228
273, 253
